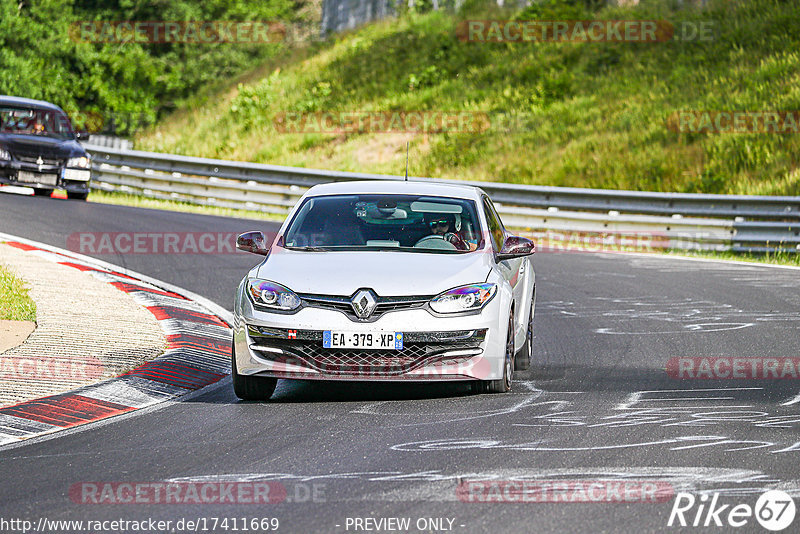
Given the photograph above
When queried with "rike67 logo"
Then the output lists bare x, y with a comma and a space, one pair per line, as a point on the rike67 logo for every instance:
774, 510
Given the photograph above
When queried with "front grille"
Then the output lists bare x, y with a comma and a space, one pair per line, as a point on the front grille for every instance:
328, 303
35, 160
384, 305
420, 349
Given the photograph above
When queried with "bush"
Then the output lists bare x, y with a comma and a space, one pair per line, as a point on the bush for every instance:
127, 84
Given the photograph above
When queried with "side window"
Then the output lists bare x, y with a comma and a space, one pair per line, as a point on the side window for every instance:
496, 231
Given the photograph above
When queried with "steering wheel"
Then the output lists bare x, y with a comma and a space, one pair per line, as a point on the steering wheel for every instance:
456, 241
435, 241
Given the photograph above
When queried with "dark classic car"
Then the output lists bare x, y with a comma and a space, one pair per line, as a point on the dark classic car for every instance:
39, 149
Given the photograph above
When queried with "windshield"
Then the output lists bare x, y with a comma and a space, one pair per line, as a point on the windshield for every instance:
34, 121
410, 223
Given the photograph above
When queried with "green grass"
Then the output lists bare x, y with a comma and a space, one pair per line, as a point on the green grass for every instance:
15, 304
125, 199
776, 258
592, 242
591, 114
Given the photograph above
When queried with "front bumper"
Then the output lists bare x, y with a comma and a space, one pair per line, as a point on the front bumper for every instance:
43, 176
469, 347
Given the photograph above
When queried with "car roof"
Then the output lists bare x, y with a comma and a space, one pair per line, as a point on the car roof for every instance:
27, 102
397, 187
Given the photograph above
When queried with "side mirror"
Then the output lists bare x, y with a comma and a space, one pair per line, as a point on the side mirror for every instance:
516, 247
254, 242
83, 135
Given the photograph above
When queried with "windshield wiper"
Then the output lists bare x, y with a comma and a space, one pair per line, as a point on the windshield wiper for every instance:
310, 249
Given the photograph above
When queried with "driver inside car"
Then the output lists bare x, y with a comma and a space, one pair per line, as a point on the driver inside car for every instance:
444, 225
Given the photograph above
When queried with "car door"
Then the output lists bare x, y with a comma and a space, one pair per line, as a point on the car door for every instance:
512, 270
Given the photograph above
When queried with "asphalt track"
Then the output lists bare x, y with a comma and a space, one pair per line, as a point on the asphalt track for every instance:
604, 408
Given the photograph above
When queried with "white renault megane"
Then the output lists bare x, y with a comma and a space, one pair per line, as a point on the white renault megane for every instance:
385, 280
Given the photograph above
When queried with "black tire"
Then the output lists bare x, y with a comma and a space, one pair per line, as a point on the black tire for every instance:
522, 362
77, 196
42, 192
504, 384
251, 387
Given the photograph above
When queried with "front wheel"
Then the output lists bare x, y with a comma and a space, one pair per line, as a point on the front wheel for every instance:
251, 387
42, 192
504, 384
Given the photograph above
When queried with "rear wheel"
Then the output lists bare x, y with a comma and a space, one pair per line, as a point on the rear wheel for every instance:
42, 192
77, 196
504, 384
251, 387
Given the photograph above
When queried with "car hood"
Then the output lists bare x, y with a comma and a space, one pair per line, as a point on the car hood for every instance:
47, 147
387, 273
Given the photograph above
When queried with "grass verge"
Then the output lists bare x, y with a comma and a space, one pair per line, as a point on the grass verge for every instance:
15, 304
126, 199
778, 258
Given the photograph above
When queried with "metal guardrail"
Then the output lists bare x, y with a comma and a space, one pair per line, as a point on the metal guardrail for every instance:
111, 141
572, 215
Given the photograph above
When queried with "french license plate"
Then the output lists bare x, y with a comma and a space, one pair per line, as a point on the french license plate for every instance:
34, 178
335, 339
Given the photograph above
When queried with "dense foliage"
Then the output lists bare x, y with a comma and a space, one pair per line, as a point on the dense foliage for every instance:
126, 84
593, 114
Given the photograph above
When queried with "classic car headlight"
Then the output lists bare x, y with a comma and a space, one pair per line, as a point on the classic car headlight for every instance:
464, 298
272, 295
4, 155
79, 163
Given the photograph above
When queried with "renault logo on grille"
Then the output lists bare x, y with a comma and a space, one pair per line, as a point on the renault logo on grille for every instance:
363, 303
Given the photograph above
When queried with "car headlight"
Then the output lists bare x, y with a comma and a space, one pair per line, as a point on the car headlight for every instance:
79, 163
272, 295
5, 155
464, 298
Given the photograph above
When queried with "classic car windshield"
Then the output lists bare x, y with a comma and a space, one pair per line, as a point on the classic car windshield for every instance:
33, 121
389, 222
